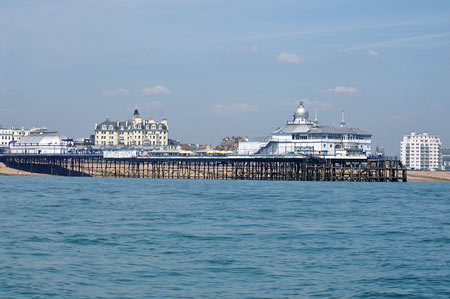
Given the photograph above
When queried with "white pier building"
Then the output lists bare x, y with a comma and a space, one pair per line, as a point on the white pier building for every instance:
302, 136
42, 143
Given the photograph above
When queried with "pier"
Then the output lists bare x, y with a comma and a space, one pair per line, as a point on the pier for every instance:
280, 168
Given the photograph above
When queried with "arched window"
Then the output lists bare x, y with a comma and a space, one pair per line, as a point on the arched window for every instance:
111, 127
104, 127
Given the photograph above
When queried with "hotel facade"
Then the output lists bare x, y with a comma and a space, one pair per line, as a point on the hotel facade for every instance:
136, 131
421, 151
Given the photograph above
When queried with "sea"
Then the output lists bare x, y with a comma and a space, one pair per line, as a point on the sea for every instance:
68, 237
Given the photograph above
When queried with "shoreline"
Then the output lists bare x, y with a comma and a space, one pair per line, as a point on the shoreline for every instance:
7, 171
428, 176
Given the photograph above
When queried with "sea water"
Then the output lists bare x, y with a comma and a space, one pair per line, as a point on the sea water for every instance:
141, 238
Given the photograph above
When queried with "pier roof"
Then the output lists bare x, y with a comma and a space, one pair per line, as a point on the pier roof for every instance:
41, 138
291, 128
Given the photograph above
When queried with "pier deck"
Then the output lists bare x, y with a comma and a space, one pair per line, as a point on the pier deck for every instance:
284, 168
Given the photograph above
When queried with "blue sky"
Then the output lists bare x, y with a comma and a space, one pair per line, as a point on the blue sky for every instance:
217, 68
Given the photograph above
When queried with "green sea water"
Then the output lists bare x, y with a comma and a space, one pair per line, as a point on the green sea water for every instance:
153, 238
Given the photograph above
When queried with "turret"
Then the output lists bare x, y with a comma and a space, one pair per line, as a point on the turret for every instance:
316, 122
342, 121
164, 122
136, 113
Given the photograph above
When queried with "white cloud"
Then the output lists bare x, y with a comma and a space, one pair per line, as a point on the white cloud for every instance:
235, 107
344, 89
290, 58
158, 89
116, 92
252, 49
374, 54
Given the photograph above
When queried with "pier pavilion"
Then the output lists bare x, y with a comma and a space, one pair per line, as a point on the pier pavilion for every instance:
303, 136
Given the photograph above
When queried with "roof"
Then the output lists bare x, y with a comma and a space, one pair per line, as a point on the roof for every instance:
108, 123
340, 130
326, 129
53, 138
292, 128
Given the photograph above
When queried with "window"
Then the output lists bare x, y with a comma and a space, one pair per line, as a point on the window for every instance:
299, 137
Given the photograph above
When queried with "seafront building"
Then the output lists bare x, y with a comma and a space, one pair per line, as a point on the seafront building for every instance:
132, 132
21, 132
305, 137
14, 134
421, 151
6, 137
9, 136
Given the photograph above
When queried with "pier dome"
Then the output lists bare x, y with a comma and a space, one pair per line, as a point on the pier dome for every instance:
301, 112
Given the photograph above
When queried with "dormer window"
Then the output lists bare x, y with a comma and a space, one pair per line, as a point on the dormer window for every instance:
153, 127
147, 127
121, 127
104, 127
160, 127
111, 127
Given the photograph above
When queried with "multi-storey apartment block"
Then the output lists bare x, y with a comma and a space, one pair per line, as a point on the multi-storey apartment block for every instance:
421, 151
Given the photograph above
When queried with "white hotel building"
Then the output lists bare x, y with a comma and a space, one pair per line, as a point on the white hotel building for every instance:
421, 152
304, 137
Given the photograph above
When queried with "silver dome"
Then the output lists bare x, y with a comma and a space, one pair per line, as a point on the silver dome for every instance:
301, 112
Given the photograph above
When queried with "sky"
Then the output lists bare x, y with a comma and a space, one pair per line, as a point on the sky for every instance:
220, 68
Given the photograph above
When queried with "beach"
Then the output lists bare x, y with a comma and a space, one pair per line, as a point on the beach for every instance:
428, 176
5, 170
